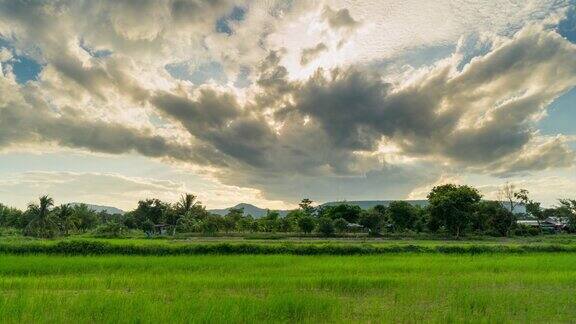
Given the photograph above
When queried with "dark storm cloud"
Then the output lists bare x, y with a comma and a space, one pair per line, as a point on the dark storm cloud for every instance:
483, 114
30, 120
310, 54
479, 118
339, 19
217, 119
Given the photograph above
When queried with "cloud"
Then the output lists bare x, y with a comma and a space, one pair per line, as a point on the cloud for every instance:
483, 114
480, 118
474, 111
29, 119
541, 154
311, 53
5, 55
94, 188
339, 19
544, 188
332, 124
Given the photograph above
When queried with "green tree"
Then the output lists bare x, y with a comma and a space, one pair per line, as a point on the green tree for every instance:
421, 218
291, 220
510, 197
453, 206
186, 204
492, 216
568, 213
112, 228
372, 219
187, 210
341, 225
86, 218
231, 220
246, 223
42, 223
66, 219
402, 215
150, 210
11, 217
325, 226
211, 224
306, 224
148, 227
306, 207
228, 224
350, 213
533, 208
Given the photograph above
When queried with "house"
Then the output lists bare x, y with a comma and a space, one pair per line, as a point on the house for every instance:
355, 228
161, 229
558, 222
547, 225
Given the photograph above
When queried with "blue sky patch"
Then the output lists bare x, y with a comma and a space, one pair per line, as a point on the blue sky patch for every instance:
243, 79
473, 46
561, 116
201, 74
567, 27
24, 67
416, 57
223, 24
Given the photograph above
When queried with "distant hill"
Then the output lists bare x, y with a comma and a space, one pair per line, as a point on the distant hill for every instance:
367, 204
258, 212
249, 209
98, 208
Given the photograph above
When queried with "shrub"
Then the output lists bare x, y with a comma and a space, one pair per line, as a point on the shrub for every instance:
525, 230
341, 225
111, 229
88, 247
325, 226
306, 224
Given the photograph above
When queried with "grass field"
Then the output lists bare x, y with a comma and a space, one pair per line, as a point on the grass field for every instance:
533, 287
79, 245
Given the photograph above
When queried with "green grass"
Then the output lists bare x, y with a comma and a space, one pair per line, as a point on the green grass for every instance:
488, 288
92, 246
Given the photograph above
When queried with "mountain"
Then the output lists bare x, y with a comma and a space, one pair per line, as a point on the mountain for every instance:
97, 208
367, 204
249, 209
258, 212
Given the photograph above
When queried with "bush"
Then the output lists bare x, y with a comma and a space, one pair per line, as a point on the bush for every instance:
111, 229
341, 225
89, 247
525, 230
325, 226
306, 224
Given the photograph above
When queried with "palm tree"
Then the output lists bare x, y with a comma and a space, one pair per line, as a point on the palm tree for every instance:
186, 204
66, 218
85, 217
42, 223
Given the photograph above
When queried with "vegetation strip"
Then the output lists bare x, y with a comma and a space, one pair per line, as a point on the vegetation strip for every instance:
99, 248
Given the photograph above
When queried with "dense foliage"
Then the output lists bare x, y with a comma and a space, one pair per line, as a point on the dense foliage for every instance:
128, 247
452, 210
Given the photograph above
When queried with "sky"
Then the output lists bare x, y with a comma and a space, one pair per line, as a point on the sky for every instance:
271, 101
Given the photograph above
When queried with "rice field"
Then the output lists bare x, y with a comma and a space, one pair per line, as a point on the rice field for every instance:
398, 288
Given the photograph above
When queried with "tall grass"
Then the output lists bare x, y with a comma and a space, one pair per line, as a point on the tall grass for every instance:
100, 247
284, 288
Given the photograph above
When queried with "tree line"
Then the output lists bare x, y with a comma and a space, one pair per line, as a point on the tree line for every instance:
455, 210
